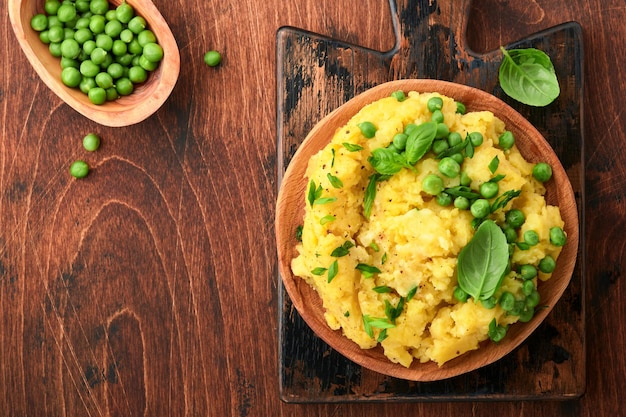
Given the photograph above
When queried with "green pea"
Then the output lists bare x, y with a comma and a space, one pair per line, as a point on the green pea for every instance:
55, 49
70, 48
476, 139
432, 184
443, 199
153, 52
449, 167
434, 103
509, 233
82, 35
437, 116
146, 64
137, 74
98, 55
52, 6
89, 46
104, 80
82, 6
460, 107
82, 23
528, 271
112, 93
439, 146
547, 264
125, 60
97, 23
56, 34
399, 140
367, 129
506, 140
86, 84
146, 36
69, 62
66, 12
134, 47
458, 157
91, 142
213, 59
39, 22
460, 295
68, 33
44, 37
515, 218
119, 48
526, 315
531, 237
528, 287
398, 95
507, 301
113, 28
99, 7
454, 138
79, 169
489, 303
442, 131
137, 24
480, 208
465, 179
115, 70
532, 300
557, 236
124, 86
462, 203
126, 35
409, 128
54, 21
124, 12
489, 189
542, 172
104, 41
71, 77
97, 95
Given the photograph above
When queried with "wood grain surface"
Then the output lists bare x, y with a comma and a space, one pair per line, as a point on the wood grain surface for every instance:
150, 287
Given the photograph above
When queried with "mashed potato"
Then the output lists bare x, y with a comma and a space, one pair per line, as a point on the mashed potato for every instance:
390, 278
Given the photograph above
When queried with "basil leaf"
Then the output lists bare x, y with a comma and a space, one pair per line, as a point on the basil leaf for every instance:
483, 261
528, 76
332, 270
419, 141
387, 161
493, 165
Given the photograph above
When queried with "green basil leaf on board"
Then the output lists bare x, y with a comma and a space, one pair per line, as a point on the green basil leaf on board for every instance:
528, 76
483, 261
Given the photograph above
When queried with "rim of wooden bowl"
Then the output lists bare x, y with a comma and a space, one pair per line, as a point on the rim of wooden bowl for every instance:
146, 98
290, 211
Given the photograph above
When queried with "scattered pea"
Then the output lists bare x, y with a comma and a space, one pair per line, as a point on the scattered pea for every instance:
480, 208
91, 142
515, 218
460, 107
79, 169
460, 295
432, 184
434, 103
542, 172
506, 140
443, 199
476, 139
367, 129
398, 95
557, 236
449, 167
547, 264
213, 58
531, 237
437, 116
528, 272
489, 189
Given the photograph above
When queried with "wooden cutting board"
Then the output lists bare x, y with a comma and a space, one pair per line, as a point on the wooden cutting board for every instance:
315, 75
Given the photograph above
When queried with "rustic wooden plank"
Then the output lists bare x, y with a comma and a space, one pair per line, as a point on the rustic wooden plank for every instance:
551, 364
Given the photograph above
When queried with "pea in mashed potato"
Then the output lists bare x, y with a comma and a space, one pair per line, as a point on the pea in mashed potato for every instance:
382, 250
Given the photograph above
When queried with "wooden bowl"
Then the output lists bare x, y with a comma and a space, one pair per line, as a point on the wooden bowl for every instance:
290, 212
127, 110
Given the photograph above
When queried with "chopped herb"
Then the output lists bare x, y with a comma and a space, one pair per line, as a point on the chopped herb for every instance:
382, 289
504, 199
382, 335
370, 195
392, 312
299, 233
367, 270
342, 250
327, 219
462, 191
411, 294
325, 200
352, 147
319, 271
334, 181
493, 165
332, 161
469, 149
314, 193
370, 323
374, 246
383, 259
332, 270
346, 314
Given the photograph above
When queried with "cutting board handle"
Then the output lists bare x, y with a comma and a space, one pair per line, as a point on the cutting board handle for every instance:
430, 38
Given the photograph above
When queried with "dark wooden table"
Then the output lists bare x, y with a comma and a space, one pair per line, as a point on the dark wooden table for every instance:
150, 287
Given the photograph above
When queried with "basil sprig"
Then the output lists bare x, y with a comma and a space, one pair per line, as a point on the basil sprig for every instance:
528, 76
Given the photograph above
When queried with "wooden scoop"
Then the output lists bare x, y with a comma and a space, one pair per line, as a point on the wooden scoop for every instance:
127, 110
290, 211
